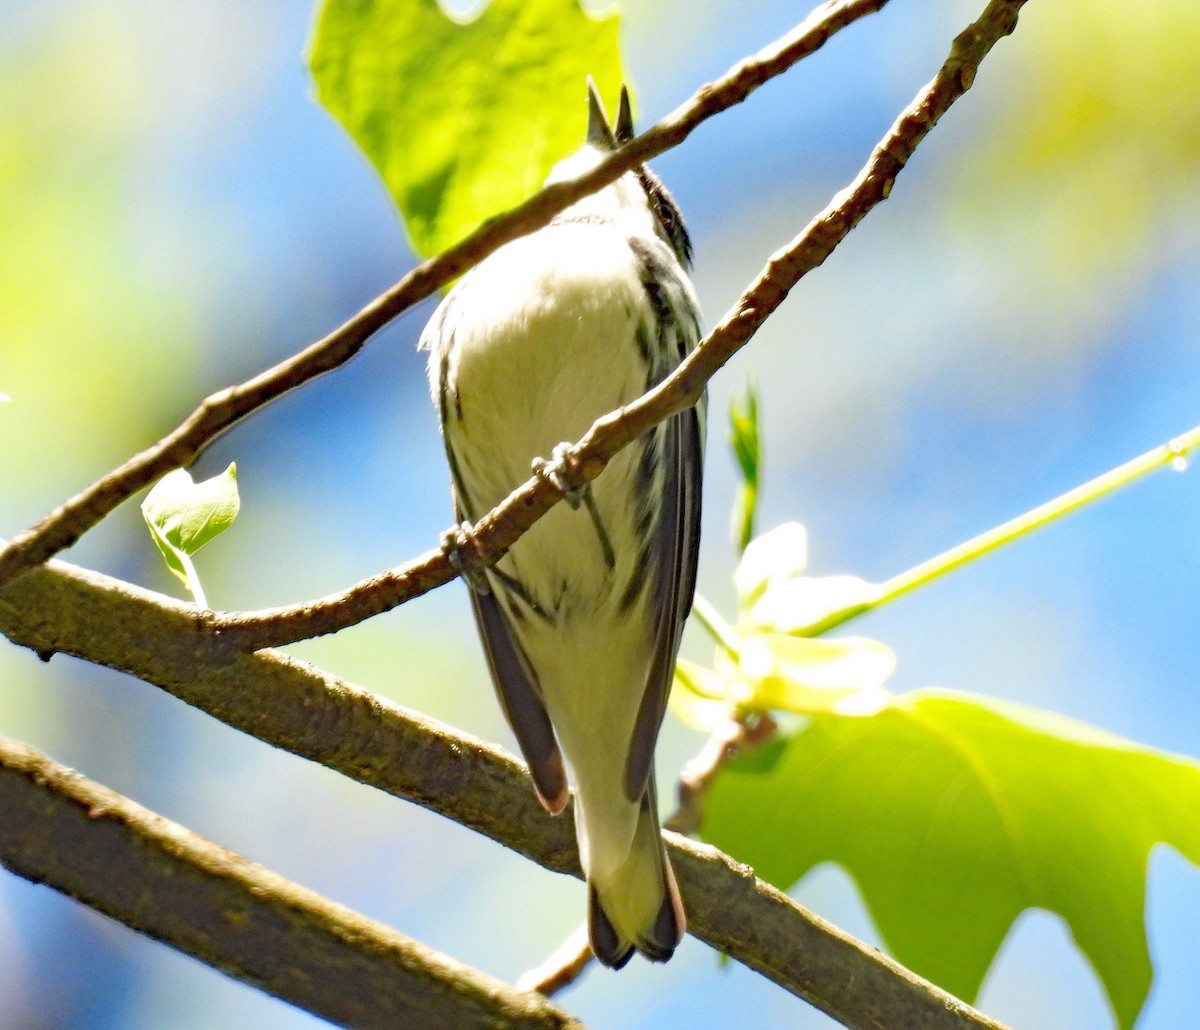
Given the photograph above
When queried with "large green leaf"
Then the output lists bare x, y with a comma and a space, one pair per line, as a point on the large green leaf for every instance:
462, 120
955, 813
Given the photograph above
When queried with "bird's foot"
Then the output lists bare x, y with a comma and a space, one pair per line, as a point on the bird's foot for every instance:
562, 464
451, 542
556, 471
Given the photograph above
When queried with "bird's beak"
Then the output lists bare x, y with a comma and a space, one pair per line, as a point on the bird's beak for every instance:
599, 135
624, 126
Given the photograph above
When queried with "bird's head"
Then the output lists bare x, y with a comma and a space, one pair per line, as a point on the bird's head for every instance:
638, 196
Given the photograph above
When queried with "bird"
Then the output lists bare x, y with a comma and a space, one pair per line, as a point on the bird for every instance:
581, 620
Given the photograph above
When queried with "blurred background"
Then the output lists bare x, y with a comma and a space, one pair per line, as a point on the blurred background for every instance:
176, 213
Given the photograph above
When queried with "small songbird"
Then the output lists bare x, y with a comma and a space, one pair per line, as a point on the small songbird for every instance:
581, 619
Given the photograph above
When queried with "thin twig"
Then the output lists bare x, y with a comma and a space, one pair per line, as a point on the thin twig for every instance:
724, 744
169, 883
1176, 452
562, 968
291, 705
500, 528
63, 526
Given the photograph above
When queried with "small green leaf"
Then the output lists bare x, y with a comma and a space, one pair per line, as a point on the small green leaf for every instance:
183, 516
462, 121
747, 450
189, 515
954, 814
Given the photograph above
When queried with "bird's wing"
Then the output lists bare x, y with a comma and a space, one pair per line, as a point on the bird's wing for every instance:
517, 689
676, 550
516, 685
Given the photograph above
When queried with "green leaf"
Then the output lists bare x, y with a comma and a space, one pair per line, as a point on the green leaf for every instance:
462, 121
183, 516
954, 814
188, 515
747, 450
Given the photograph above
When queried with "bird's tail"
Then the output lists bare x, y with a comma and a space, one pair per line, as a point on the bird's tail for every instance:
635, 904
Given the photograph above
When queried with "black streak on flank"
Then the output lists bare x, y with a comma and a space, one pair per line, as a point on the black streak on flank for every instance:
516, 591
642, 337
653, 273
644, 492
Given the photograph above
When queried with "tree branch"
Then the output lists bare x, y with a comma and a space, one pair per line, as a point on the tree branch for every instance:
171, 884
566, 964
58, 608
63, 526
731, 909
293, 706
500, 528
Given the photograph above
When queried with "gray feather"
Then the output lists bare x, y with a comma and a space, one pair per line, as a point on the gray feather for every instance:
515, 682
676, 555
521, 701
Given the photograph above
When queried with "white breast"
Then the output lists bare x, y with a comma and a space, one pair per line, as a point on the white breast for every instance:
545, 341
